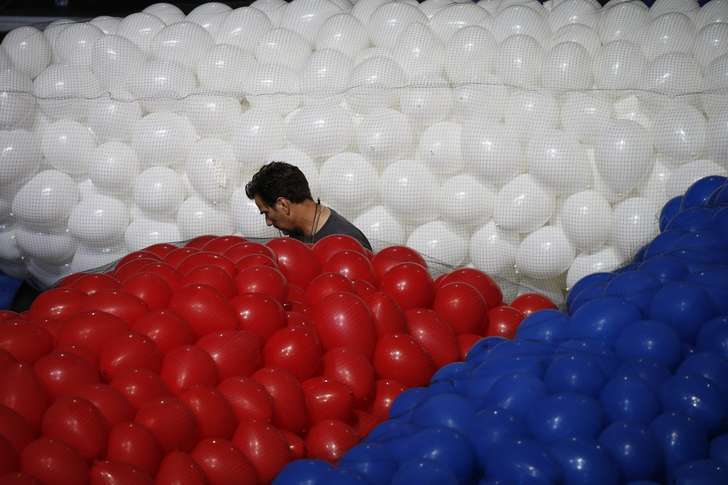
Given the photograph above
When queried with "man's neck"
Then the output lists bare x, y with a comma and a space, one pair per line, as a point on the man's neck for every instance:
311, 214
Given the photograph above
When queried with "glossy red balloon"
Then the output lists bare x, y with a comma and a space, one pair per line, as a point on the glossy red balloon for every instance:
164, 271
250, 260
324, 285
52, 462
326, 247
221, 244
112, 405
352, 369
295, 294
26, 341
213, 413
140, 386
465, 343
461, 306
204, 309
363, 288
388, 317
6, 358
188, 366
235, 353
212, 276
165, 328
133, 256
364, 422
327, 399
131, 351
171, 422
265, 447
64, 373
22, 392
265, 280
150, 288
386, 392
297, 261
124, 271
200, 241
296, 350
178, 468
18, 478
174, 258
299, 319
488, 288
258, 314
289, 404
92, 330
80, 351
400, 357
57, 303
161, 250
352, 265
15, 429
135, 445
239, 251
529, 303
344, 320
329, 440
67, 281
410, 285
247, 398
223, 464
119, 303
79, 424
113, 473
91, 283
206, 258
503, 321
296, 445
391, 256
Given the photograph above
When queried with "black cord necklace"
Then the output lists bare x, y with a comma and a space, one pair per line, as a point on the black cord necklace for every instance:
315, 221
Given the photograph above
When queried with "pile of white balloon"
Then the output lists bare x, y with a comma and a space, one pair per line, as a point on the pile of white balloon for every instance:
536, 142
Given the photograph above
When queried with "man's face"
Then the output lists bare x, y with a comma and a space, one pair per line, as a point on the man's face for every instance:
278, 215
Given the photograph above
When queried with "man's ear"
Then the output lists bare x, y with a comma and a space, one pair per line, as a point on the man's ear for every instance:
284, 205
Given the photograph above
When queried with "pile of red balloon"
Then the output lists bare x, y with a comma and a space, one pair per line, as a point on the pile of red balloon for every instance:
221, 361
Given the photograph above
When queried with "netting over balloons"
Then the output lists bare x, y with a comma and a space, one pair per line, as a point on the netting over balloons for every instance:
533, 142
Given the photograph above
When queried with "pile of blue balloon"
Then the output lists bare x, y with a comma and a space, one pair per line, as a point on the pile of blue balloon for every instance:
629, 386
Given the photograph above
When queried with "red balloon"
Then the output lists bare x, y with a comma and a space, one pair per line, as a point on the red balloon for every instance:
204, 309
15, 429
18, 479
171, 422
529, 303
296, 445
92, 330
174, 258
503, 321
178, 468
465, 342
80, 351
140, 386
64, 373
387, 315
364, 422
221, 244
295, 294
213, 414
161, 250
212, 276
324, 285
112, 405
239, 251
330, 439
26, 341
390, 257
363, 288
78, 423
165, 328
150, 288
247, 398
22, 392
235, 353
133, 256
351, 264
111, 473
67, 281
206, 258
123, 305
6, 359
297, 261
335, 243
52, 462
131, 268
298, 319
289, 404
262, 279
265, 447
387, 391
131, 351
327, 399
200, 241
251, 260
461, 306
188, 366
135, 445
410, 285
223, 464
352, 369
57, 303
344, 320
163, 270
258, 314
488, 288
399, 357
294, 349
91, 283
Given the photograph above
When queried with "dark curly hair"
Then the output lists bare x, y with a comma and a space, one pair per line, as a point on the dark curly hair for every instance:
278, 179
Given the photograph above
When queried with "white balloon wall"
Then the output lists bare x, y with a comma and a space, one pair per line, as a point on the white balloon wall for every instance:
534, 142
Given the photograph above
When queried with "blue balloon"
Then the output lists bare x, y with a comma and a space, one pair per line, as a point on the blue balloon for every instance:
565, 415
665, 268
633, 449
491, 428
407, 401
577, 372
446, 410
482, 347
521, 348
652, 373
426, 472
545, 325
476, 386
719, 449
709, 242
304, 472
699, 193
637, 287
450, 371
713, 336
670, 210
710, 365
629, 398
720, 222
439, 387
684, 307
715, 281
700, 472
639, 256
390, 429
603, 319
650, 340
584, 462
601, 351
585, 296
680, 438
446, 446
664, 243
371, 461
692, 219
643, 482
719, 197
525, 462
515, 393
585, 283
498, 365
344, 476
697, 397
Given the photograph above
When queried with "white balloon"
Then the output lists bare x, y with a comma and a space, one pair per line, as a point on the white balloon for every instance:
272, 8
46, 200
715, 11
369, 52
584, 116
363, 9
20, 157
714, 100
212, 170
484, 100
618, 65
94, 259
492, 152
99, 221
343, 32
209, 16
558, 162
307, 16
662, 7
419, 52
385, 136
17, 104
197, 218
523, 205
75, 44
439, 241
493, 250
243, 27
53, 29
545, 253
686, 175
519, 61
451, 19
635, 224
521, 20
440, 148
48, 274
552, 288
567, 66
374, 85
285, 47
182, 42
158, 192
247, 217
348, 183
408, 190
212, 115
168, 13
675, 73
67, 146
275, 88
143, 233
29, 50
604, 260
225, 68
140, 28
464, 201
163, 139
50, 247
654, 189
113, 167
380, 228
9, 249
586, 218
632, 108
113, 117
108, 25
320, 130
160, 85
529, 111
115, 60
256, 134
711, 43
622, 20
570, 12
623, 155
471, 55
716, 140
581, 34
671, 32
679, 132
388, 21
303, 162
427, 103
65, 91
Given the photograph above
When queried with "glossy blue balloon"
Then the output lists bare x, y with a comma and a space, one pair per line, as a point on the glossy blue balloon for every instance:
639, 256
371, 461
482, 348
344, 476
720, 222
521, 348
451, 371
304, 472
684, 307
502, 365
407, 401
586, 295
565, 415
446, 446
643, 482
515, 393
602, 319
545, 325
491, 428
576, 372
650, 340
715, 281
713, 336
709, 242
664, 243
700, 472
476, 386
652, 373
665, 268
719, 197
445, 410
584, 462
525, 462
390, 429
692, 219
596, 349
633, 448
699, 193
719, 449
426, 472
585, 283
670, 210
439, 387
697, 397
710, 365
629, 398
680, 439
636, 287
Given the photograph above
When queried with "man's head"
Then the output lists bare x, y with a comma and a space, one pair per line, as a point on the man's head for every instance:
276, 189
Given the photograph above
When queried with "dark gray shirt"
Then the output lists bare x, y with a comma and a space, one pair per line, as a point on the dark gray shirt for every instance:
337, 224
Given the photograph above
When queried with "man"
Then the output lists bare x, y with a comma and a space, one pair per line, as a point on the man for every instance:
281, 192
